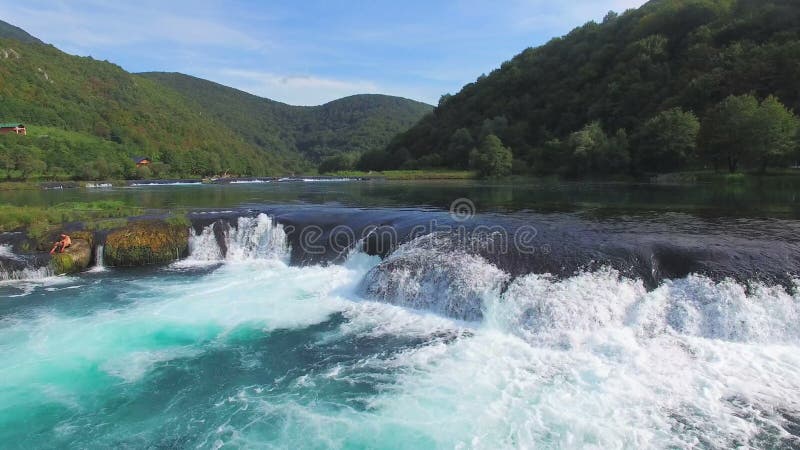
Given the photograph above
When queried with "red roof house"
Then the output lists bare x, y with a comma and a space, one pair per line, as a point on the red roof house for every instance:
16, 128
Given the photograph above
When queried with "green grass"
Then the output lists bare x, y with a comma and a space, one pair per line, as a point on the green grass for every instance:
178, 220
39, 221
18, 185
771, 177
411, 174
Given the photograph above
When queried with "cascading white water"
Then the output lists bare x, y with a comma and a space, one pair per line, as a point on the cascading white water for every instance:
20, 274
7, 252
98, 265
27, 274
256, 238
593, 360
598, 360
427, 274
251, 238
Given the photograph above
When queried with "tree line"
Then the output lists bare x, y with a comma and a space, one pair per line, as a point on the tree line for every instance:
739, 133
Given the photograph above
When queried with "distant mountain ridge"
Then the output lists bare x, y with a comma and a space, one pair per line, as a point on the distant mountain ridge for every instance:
358, 123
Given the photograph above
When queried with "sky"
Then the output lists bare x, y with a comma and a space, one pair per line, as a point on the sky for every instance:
309, 52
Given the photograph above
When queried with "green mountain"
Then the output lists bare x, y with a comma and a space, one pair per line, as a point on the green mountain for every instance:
688, 54
8, 31
81, 112
87, 119
359, 123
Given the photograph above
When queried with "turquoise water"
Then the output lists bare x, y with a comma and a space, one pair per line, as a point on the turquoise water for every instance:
248, 351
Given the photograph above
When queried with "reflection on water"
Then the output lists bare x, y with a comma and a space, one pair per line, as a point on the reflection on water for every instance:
753, 199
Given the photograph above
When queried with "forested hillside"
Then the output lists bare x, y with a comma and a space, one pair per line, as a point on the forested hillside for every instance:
87, 119
355, 124
608, 96
126, 116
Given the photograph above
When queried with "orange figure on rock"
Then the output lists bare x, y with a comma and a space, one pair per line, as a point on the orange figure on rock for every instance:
62, 245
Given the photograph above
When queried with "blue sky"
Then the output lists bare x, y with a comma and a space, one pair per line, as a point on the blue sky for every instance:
309, 52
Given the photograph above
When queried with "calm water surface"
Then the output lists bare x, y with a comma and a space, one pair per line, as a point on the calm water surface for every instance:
605, 198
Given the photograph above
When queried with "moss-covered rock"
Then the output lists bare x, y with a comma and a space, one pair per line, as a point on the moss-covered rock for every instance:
45, 243
75, 259
146, 243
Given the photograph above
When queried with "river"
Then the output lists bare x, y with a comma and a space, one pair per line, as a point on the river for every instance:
420, 315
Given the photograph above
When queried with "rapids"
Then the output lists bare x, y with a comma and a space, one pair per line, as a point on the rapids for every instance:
243, 344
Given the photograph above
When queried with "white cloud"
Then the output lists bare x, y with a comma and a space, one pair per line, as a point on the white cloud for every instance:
89, 25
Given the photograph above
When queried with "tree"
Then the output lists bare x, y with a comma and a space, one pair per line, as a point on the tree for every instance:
375, 160
728, 131
617, 155
739, 131
143, 172
29, 165
549, 158
7, 162
777, 128
492, 159
337, 163
461, 143
584, 148
668, 141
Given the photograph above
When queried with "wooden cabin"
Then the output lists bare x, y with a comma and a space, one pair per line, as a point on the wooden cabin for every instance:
16, 128
142, 161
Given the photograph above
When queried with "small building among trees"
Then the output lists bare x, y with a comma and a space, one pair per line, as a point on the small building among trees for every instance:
16, 128
142, 161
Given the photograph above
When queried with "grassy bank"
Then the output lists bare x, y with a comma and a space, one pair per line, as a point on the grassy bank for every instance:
39, 221
411, 174
788, 177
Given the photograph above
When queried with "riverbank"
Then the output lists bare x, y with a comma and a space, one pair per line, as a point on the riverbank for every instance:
789, 177
411, 174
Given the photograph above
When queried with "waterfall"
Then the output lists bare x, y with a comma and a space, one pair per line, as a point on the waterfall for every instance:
430, 273
26, 274
14, 267
98, 265
250, 238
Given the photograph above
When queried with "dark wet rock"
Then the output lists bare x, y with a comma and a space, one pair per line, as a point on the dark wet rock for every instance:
220, 229
671, 247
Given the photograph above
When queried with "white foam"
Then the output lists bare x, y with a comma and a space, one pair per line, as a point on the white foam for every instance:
448, 281
250, 182
170, 319
39, 274
542, 308
131, 367
7, 252
325, 180
697, 306
590, 361
98, 265
180, 183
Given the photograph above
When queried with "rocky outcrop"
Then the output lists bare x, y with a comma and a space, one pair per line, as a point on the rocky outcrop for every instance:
76, 258
146, 243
